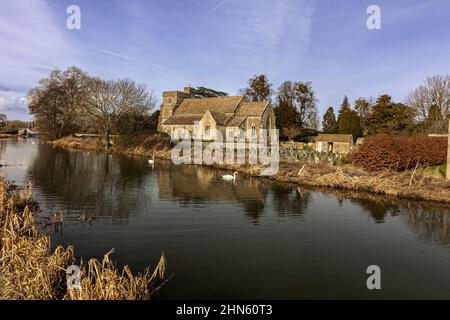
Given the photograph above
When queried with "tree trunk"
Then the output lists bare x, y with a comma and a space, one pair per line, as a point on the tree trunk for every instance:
108, 132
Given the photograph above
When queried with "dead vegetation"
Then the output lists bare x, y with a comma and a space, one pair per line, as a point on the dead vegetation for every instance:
157, 145
398, 153
85, 143
416, 184
31, 270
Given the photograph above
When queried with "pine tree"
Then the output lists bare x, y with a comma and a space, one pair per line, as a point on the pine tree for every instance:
349, 123
329, 122
344, 106
389, 117
285, 114
259, 89
348, 120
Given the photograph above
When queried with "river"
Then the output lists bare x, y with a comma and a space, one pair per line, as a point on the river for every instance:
252, 239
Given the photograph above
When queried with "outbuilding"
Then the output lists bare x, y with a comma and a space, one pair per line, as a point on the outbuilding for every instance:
334, 143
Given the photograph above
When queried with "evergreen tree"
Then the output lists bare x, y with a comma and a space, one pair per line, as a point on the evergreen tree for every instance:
348, 120
349, 123
344, 106
329, 122
285, 114
259, 89
388, 117
202, 92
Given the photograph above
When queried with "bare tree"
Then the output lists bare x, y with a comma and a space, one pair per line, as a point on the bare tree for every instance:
305, 102
109, 100
56, 102
431, 101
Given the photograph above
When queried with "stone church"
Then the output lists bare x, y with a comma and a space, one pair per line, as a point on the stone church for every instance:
228, 114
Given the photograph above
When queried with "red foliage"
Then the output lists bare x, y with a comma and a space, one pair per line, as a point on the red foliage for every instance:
400, 152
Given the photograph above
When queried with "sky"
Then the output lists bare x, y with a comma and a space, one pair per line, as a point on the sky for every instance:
170, 44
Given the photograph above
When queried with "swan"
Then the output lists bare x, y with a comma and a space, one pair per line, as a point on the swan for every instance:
230, 177
152, 161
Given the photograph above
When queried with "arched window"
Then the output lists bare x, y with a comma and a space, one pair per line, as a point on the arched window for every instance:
253, 130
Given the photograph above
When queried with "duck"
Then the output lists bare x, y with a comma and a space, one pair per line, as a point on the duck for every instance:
152, 161
229, 177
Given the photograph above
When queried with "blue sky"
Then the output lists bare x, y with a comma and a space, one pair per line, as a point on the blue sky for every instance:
221, 43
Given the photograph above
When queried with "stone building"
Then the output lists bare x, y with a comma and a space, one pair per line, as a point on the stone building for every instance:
182, 110
334, 143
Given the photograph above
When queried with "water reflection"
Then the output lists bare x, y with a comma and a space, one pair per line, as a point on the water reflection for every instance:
298, 243
98, 183
120, 187
429, 220
430, 223
191, 184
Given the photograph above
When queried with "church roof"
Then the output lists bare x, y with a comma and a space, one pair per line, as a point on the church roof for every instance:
226, 111
201, 105
183, 119
221, 118
236, 121
252, 108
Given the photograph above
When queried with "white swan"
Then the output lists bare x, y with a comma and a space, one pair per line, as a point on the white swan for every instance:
152, 161
230, 177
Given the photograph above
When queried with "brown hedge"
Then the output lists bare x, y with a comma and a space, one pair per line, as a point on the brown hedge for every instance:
400, 152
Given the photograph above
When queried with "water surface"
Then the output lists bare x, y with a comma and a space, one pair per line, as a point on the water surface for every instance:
250, 239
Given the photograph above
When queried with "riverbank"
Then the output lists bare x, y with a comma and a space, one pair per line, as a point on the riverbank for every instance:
417, 184
7, 135
31, 270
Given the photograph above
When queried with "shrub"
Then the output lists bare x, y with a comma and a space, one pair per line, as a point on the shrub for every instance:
443, 169
400, 152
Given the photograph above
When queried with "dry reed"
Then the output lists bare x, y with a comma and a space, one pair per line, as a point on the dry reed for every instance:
30, 270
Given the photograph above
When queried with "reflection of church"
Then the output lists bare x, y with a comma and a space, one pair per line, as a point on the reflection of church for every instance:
192, 184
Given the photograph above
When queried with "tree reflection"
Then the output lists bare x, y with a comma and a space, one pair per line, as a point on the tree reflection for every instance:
290, 201
430, 223
428, 220
117, 187
97, 183
191, 184
379, 209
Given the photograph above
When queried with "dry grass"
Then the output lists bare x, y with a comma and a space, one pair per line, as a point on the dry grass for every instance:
103, 281
86, 143
418, 185
30, 270
145, 146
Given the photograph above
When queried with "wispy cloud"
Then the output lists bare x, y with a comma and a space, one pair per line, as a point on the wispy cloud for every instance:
219, 4
267, 36
32, 43
112, 53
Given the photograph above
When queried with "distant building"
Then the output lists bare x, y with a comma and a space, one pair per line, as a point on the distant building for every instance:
334, 143
228, 114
